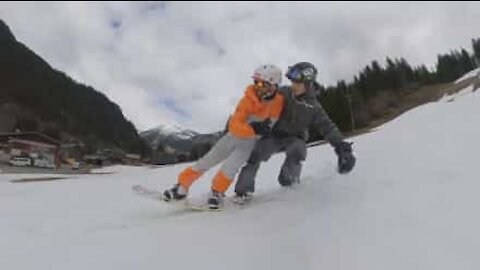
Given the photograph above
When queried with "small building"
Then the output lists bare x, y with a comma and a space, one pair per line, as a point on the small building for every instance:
132, 159
96, 160
35, 145
164, 159
72, 151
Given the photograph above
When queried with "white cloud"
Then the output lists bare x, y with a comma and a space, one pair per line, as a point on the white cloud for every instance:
188, 63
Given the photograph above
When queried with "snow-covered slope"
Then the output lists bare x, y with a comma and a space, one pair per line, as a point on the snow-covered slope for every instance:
471, 74
411, 203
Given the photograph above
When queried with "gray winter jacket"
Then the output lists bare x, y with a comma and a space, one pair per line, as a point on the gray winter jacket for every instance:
301, 113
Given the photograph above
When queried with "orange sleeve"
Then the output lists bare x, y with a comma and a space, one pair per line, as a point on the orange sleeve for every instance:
238, 124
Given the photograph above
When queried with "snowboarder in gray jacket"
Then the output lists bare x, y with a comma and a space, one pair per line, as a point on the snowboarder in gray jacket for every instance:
301, 111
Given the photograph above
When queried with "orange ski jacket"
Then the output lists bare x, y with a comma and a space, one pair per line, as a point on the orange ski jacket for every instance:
251, 109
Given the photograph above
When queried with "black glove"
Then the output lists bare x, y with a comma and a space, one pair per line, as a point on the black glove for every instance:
262, 128
346, 159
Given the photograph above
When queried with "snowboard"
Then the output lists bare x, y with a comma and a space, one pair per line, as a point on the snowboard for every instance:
200, 203
193, 204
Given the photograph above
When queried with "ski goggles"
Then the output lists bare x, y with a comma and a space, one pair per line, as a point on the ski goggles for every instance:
264, 90
262, 84
295, 75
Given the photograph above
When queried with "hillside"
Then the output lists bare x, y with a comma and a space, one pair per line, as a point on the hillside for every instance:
36, 97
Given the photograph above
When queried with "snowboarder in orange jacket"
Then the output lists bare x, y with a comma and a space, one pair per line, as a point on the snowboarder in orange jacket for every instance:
254, 117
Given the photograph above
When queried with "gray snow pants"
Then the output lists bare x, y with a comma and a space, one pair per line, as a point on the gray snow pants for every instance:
295, 150
233, 151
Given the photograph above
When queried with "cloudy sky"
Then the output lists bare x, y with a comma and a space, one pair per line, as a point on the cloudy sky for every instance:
188, 63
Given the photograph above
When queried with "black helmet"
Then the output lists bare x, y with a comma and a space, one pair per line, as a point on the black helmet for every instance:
302, 72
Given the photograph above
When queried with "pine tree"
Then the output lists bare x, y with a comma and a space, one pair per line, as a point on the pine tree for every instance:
476, 51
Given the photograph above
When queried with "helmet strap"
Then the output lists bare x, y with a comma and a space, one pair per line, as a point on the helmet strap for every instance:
268, 97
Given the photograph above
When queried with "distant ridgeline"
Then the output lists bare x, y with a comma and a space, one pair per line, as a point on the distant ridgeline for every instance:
36, 97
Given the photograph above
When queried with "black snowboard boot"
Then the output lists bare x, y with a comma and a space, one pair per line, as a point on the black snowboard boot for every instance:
242, 198
176, 193
215, 201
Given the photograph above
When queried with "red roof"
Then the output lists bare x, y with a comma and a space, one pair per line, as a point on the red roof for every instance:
31, 137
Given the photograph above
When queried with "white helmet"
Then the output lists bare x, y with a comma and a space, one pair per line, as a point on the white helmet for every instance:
268, 73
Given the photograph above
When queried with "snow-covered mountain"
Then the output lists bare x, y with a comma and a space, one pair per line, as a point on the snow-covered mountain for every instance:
410, 203
175, 137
